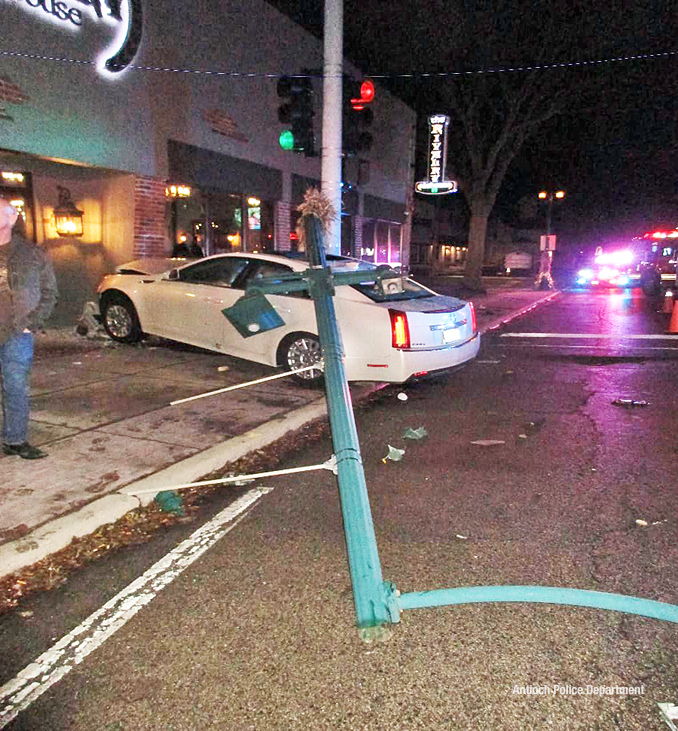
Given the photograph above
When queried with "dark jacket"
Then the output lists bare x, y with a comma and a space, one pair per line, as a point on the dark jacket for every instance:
32, 281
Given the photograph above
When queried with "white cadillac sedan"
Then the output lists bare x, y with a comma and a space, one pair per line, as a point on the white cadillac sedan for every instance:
394, 333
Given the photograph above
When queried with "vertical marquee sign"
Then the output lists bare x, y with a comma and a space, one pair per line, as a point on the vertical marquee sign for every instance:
436, 183
126, 17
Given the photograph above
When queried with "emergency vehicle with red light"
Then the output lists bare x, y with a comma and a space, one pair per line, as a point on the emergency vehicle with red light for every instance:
649, 260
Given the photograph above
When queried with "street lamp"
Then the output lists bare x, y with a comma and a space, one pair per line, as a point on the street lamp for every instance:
548, 242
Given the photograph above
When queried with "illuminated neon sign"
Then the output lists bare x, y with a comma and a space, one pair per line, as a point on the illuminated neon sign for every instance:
436, 183
125, 15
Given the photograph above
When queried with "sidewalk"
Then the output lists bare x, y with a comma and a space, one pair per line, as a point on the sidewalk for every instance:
103, 413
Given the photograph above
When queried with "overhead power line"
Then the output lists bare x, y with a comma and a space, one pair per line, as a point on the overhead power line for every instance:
390, 76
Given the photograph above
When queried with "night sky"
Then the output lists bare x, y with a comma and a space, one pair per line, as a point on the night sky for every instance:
614, 149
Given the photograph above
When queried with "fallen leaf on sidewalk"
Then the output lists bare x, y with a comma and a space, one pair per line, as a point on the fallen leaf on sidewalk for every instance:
419, 433
394, 454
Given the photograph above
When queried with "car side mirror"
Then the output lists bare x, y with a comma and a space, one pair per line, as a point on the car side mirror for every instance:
173, 275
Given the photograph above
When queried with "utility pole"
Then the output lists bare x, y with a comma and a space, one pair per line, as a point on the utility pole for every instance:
331, 132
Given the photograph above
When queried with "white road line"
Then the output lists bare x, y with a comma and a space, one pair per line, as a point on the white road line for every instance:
17, 694
592, 336
606, 348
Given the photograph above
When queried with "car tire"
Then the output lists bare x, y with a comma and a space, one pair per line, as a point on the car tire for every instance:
120, 319
299, 351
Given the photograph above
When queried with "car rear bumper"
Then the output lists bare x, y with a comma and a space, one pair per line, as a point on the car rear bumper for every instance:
405, 365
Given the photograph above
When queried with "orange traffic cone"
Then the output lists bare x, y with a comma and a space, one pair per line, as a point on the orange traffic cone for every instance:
668, 301
673, 325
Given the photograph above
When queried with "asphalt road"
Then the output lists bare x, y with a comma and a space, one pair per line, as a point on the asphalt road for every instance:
258, 632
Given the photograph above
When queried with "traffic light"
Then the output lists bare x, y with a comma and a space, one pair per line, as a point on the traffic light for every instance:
297, 112
357, 116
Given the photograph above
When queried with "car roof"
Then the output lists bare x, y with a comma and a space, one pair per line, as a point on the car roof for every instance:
295, 261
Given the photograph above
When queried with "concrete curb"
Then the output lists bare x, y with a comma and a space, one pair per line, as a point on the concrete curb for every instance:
503, 319
57, 534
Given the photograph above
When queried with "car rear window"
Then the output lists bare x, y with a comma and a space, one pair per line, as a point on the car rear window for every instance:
411, 290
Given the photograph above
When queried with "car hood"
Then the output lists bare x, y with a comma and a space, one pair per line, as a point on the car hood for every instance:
150, 265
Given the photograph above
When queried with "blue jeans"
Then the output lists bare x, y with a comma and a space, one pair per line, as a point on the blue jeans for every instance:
16, 358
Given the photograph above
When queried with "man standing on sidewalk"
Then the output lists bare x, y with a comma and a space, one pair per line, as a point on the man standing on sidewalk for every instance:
28, 293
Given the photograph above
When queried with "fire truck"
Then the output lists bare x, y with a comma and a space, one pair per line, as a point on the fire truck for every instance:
649, 261
655, 257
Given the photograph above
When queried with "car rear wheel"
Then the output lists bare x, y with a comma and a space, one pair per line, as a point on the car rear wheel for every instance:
120, 320
300, 351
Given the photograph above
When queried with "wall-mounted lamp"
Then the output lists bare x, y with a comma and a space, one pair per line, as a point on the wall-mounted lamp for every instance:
178, 191
67, 218
9, 177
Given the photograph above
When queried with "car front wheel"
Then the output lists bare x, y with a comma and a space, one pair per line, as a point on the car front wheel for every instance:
300, 351
120, 320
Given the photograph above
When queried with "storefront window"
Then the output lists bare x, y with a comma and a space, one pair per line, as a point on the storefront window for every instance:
347, 235
259, 230
187, 223
214, 220
381, 242
224, 222
367, 251
394, 235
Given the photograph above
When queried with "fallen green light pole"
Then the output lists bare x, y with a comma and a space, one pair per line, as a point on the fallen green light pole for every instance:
376, 601
542, 595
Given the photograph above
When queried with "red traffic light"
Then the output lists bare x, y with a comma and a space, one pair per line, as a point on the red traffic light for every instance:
366, 95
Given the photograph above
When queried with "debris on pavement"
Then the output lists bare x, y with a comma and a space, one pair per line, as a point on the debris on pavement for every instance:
669, 713
375, 634
640, 521
536, 425
488, 442
530, 428
394, 454
222, 369
402, 396
629, 402
419, 433
170, 502
463, 538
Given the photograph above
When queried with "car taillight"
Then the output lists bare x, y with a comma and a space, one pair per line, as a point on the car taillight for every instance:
474, 324
400, 331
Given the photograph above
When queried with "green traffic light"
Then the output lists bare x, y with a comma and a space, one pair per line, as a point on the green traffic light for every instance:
286, 140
